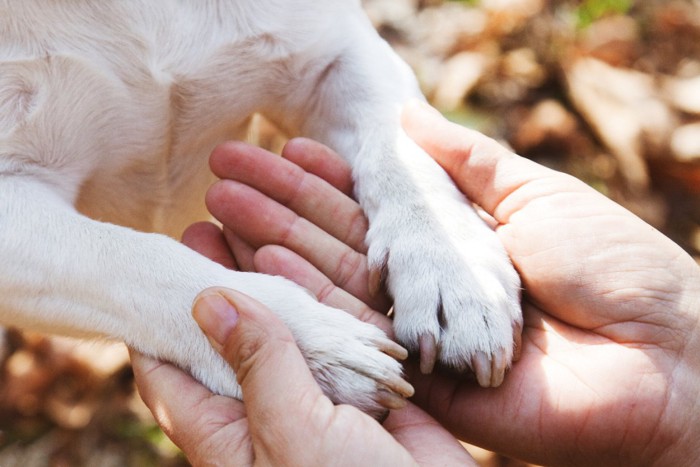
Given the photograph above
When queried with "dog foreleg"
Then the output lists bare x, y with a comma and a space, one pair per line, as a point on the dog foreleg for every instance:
64, 273
456, 295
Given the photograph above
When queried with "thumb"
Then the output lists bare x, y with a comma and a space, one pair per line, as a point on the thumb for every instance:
483, 169
275, 379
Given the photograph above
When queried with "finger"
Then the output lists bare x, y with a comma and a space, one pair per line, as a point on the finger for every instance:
277, 260
317, 159
207, 239
420, 434
305, 194
482, 168
242, 251
278, 388
191, 416
258, 221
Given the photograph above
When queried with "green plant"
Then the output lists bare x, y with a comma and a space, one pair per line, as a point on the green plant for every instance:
591, 10
466, 2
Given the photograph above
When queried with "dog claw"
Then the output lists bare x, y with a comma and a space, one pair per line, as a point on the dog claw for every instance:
377, 276
482, 369
427, 347
498, 368
374, 282
518, 341
399, 386
389, 400
489, 372
393, 349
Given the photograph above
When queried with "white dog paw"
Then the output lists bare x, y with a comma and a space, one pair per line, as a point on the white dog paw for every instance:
354, 362
456, 294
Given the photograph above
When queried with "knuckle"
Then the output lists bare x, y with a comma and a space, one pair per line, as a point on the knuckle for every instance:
349, 264
357, 231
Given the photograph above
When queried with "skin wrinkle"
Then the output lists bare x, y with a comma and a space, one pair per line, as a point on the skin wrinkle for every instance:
662, 324
629, 428
248, 354
586, 431
291, 231
240, 444
692, 336
451, 396
355, 233
692, 297
322, 417
325, 424
682, 438
325, 291
322, 408
514, 211
541, 417
579, 444
369, 316
348, 266
544, 412
518, 197
196, 443
252, 356
405, 426
297, 182
680, 364
656, 432
636, 318
214, 421
640, 293
655, 426
512, 192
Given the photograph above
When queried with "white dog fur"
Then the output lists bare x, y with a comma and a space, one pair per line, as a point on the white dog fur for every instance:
108, 112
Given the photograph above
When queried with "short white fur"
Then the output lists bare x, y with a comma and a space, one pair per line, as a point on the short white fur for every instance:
108, 111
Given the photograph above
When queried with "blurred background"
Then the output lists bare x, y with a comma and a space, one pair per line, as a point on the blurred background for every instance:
606, 90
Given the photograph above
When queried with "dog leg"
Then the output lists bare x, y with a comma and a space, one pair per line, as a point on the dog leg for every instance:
456, 294
64, 273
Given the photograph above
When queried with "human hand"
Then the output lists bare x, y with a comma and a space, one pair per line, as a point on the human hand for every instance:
610, 356
609, 359
286, 419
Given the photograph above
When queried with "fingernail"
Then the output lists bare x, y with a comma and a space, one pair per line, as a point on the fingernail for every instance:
216, 316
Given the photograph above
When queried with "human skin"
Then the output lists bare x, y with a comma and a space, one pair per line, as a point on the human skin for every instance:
609, 365
610, 357
610, 360
286, 419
